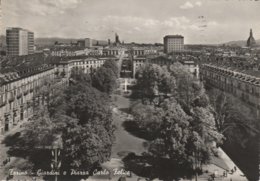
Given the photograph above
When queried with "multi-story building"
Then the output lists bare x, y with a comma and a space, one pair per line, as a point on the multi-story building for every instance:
18, 91
138, 62
88, 65
244, 85
94, 51
85, 43
63, 53
142, 51
114, 51
173, 43
19, 42
88, 43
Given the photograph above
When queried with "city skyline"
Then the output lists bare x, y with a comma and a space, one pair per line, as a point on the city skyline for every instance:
199, 21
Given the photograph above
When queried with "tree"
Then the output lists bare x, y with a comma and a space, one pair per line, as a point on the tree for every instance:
185, 138
152, 81
82, 117
111, 64
87, 104
78, 75
184, 119
40, 132
148, 118
104, 80
189, 89
86, 146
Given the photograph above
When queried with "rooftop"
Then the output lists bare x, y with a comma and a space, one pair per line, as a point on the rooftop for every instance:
173, 36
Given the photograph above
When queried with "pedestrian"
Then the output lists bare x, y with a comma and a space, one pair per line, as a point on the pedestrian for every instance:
122, 179
232, 171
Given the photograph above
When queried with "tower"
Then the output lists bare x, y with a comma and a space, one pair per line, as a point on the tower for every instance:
19, 42
250, 41
117, 41
173, 43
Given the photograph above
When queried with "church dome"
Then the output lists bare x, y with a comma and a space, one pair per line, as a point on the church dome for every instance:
250, 41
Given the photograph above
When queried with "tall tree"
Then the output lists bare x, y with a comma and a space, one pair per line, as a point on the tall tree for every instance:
153, 80
78, 75
104, 80
189, 89
112, 64
82, 117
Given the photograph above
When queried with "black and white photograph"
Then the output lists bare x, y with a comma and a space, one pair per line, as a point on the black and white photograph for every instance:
129, 90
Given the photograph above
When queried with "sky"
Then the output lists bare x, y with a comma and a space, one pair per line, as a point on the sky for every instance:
142, 21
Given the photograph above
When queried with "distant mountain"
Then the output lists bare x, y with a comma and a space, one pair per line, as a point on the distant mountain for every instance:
240, 43
51, 41
2, 40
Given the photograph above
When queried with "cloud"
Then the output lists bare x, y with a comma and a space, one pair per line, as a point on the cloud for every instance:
130, 20
187, 5
137, 28
61, 4
179, 22
212, 23
151, 22
198, 3
47, 7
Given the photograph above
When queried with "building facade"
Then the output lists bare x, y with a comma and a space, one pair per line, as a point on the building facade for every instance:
241, 84
19, 42
88, 43
87, 65
18, 91
173, 43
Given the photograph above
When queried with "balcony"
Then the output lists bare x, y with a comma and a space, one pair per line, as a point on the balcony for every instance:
2, 104
19, 96
11, 99
25, 92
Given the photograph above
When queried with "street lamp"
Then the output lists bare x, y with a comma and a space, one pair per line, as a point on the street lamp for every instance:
56, 151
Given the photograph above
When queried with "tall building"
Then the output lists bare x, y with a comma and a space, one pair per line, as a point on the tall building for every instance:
173, 43
88, 43
19, 42
251, 41
117, 41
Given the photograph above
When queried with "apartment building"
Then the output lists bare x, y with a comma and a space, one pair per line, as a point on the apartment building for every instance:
88, 65
19, 42
173, 43
242, 84
17, 93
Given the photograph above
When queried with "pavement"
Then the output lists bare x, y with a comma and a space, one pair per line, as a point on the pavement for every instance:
4, 149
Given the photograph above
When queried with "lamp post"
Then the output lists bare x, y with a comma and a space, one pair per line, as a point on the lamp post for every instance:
56, 162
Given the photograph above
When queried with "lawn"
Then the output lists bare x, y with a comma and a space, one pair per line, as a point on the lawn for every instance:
125, 142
